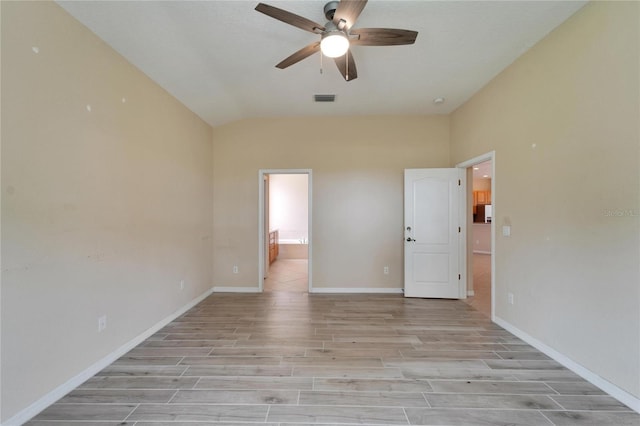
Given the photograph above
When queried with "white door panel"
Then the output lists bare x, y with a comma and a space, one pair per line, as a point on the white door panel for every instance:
432, 236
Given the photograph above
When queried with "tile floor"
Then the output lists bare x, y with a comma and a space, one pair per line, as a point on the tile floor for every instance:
291, 275
287, 275
290, 358
481, 300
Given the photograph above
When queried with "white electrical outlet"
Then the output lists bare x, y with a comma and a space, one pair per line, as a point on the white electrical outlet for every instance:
181, 284
235, 269
102, 323
510, 297
386, 270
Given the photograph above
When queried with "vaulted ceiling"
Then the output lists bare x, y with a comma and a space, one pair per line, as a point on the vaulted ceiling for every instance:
218, 57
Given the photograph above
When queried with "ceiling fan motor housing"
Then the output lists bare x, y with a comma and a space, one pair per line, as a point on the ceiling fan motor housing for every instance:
330, 9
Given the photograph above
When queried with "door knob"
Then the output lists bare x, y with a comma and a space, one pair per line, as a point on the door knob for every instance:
410, 239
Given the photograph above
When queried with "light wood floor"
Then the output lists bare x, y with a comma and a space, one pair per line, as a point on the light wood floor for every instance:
290, 358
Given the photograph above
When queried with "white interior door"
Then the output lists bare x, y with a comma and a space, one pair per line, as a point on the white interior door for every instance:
432, 199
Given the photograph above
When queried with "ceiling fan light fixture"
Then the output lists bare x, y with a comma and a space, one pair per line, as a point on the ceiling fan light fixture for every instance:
337, 34
334, 44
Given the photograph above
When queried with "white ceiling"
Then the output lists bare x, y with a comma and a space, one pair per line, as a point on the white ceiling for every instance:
482, 170
218, 57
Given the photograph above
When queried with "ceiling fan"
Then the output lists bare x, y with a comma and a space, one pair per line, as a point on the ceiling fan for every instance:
337, 35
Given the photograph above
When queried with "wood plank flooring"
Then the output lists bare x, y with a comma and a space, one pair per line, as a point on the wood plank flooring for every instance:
290, 358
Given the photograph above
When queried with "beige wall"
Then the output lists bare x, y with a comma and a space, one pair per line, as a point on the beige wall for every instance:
481, 238
563, 120
357, 165
103, 212
0, 223
289, 206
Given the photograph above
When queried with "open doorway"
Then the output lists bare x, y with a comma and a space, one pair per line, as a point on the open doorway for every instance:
480, 237
285, 230
482, 213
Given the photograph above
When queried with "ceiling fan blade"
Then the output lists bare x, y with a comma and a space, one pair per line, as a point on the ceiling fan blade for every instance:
299, 55
348, 11
348, 72
382, 37
290, 18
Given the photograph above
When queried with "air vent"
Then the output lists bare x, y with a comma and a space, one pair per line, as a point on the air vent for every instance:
324, 98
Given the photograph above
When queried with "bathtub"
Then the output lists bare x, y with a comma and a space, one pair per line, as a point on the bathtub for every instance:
293, 249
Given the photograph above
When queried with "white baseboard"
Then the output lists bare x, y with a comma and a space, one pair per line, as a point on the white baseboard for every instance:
613, 390
359, 290
236, 290
341, 290
471, 293
34, 409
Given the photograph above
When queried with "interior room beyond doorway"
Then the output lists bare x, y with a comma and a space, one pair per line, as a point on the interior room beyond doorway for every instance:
288, 232
482, 213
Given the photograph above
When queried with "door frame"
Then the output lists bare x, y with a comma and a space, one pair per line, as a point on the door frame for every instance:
489, 156
261, 221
